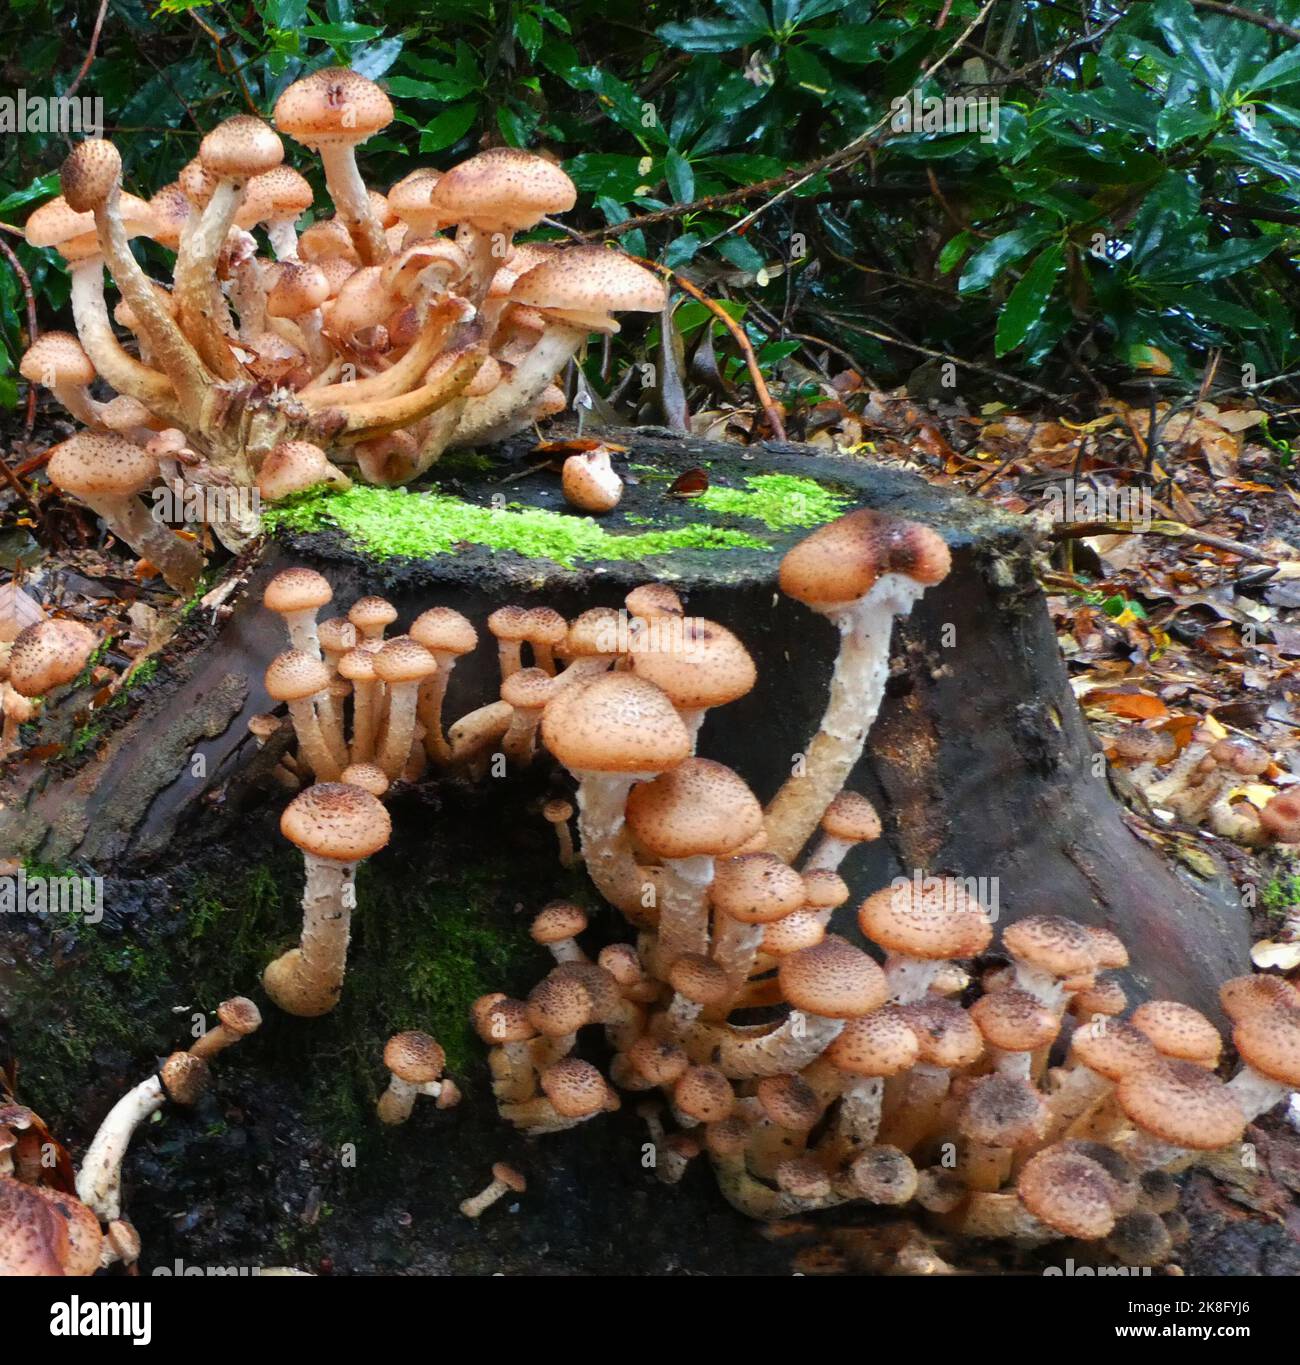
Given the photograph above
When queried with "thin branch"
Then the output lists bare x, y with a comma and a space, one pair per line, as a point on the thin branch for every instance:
90, 52
1248, 16
25, 283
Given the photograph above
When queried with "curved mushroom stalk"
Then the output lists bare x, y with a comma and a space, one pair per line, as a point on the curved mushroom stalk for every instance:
179, 561
857, 688
308, 980
754, 1199
606, 847
547, 357
746, 1053
683, 911
204, 315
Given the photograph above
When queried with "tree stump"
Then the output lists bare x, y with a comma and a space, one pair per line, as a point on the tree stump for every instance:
980, 762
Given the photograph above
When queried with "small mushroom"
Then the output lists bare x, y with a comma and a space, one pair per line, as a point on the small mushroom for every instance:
505, 1180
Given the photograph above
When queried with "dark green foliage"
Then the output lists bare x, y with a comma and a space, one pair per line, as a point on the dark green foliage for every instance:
1140, 188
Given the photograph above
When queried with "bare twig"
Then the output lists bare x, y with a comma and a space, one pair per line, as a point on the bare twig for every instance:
90, 51
25, 283
1172, 530
1248, 16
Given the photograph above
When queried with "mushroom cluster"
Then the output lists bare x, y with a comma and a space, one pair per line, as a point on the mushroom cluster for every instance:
366, 345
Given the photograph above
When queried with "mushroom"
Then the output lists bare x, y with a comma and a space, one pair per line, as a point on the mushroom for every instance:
357, 666
697, 811
573, 1092
948, 1040
415, 1062
294, 466
297, 594
854, 1067
1177, 1030
1101, 1053
1014, 1025
750, 893
504, 1024
1268, 1042
824, 893
509, 625
402, 665
237, 1018
999, 1115
850, 819
697, 981
545, 631
448, 636
921, 924
181, 1079
48, 655
860, 571
556, 927
505, 1180
332, 111
58, 361
1177, 1107
527, 690
372, 616
296, 678
590, 483
557, 813
611, 734
46, 1232
1049, 950
108, 473
698, 664
335, 827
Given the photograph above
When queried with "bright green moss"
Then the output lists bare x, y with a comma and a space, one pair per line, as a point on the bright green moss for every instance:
785, 502
392, 522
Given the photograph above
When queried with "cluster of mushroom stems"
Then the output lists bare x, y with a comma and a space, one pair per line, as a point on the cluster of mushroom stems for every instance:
363, 346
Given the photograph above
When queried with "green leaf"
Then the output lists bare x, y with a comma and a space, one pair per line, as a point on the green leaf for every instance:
528, 30
741, 253
1284, 69
1027, 301
38, 189
341, 33
994, 257
954, 249
449, 127
681, 179
711, 35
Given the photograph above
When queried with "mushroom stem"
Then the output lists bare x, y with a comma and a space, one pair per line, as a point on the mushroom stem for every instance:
857, 687
99, 1182
735, 947
1002, 1216
201, 304
484, 1199
548, 355
828, 854
683, 909
352, 200
397, 1103
926, 1089
365, 720
312, 745
910, 977
606, 850
401, 727
307, 980
1256, 1094
792, 1045
179, 561
1079, 1090
432, 695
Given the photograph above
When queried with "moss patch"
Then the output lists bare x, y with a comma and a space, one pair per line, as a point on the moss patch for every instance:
785, 502
390, 523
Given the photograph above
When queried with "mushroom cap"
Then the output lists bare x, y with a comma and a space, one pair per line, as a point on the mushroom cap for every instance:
1241, 756
294, 288
1106, 998
184, 1078
698, 663
1181, 1104
337, 635
545, 626
590, 281
1053, 943
833, 979
1137, 745
372, 613
509, 623
358, 665
370, 777
441, 630
338, 822
500, 1019
414, 1057
697, 807
509, 1177
790, 933
46, 1232
884, 1175
559, 1004
56, 358
824, 889
659, 1061
332, 106
557, 921
756, 888
1014, 1021
879, 1044
101, 464
57, 223
557, 811
1270, 1044
279, 192
727, 1137
92, 170
1109, 947
48, 654
803, 1177
240, 1015
297, 589
294, 674
853, 817
1281, 817
575, 1088
1245, 995
704, 1093
502, 188
1140, 1238
699, 978
598, 631
528, 689
651, 600
1178, 1031
1069, 1192
932, 919
945, 1033
617, 723
1002, 1111
241, 147
1112, 1048
841, 561
403, 661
